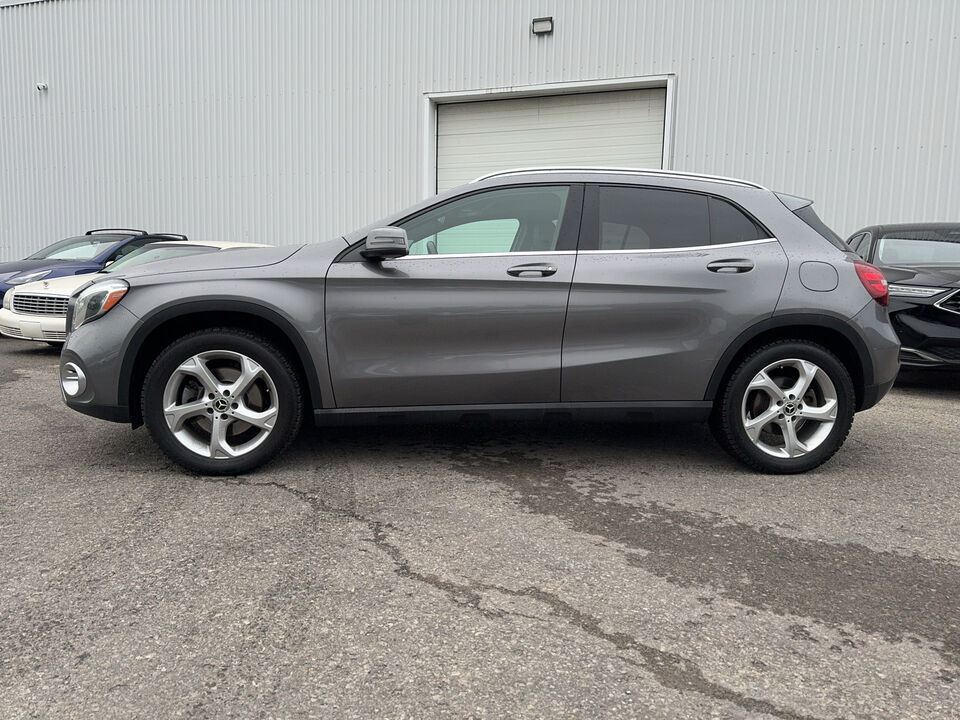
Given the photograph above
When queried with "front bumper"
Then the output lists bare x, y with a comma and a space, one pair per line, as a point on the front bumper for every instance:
43, 328
97, 349
929, 333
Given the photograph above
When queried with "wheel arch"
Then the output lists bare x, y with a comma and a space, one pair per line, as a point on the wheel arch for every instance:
833, 333
168, 323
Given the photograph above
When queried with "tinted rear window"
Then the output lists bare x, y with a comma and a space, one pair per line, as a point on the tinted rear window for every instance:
646, 219
813, 220
729, 224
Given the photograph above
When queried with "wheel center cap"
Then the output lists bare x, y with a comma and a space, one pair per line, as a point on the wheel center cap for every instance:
221, 404
790, 408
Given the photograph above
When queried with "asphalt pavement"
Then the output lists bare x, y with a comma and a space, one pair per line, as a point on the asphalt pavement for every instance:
513, 570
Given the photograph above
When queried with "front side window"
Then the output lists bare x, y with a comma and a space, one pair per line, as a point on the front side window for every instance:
522, 219
920, 247
635, 218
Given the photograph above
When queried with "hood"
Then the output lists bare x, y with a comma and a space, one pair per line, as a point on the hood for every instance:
928, 275
65, 286
223, 260
9, 269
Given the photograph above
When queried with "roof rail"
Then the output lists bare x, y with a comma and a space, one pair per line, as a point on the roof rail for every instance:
168, 236
129, 230
619, 171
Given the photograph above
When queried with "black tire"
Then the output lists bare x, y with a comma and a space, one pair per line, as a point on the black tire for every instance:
728, 426
289, 398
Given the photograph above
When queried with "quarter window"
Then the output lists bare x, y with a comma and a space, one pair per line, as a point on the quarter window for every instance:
729, 225
523, 219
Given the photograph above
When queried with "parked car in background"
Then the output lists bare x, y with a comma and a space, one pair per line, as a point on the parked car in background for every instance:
921, 262
86, 253
38, 310
592, 293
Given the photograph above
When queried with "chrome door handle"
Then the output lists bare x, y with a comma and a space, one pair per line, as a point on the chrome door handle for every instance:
532, 270
731, 266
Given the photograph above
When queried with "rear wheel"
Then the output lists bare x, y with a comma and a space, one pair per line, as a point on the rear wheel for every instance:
222, 401
787, 408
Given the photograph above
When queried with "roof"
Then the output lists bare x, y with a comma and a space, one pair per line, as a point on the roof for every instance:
900, 227
620, 171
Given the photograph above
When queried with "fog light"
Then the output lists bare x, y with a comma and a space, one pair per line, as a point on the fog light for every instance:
72, 380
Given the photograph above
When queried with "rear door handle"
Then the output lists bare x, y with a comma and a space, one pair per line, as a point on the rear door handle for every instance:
730, 266
531, 270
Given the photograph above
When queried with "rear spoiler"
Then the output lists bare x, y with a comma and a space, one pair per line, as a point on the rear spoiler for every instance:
792, 202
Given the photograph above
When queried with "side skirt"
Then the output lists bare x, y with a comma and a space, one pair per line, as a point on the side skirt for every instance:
684, 411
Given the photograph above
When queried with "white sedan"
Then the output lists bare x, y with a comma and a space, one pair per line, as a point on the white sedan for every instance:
38, 310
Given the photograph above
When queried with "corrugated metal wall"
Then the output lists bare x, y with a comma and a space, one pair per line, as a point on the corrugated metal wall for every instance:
296, 120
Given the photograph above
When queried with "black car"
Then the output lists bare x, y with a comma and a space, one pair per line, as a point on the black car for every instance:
921, 262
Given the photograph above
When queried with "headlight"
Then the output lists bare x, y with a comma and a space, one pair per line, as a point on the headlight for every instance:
96, 300
28, 277
8, 300
914, 291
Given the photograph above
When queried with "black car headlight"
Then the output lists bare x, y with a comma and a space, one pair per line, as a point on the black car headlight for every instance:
95, 300
914, 291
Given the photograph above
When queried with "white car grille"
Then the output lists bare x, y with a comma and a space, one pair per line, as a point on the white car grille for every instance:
7, 330
55, 305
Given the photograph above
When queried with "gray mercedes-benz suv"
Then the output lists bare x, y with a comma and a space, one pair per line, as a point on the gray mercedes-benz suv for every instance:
593, 293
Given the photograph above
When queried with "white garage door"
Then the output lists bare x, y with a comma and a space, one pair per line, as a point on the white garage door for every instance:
622, 128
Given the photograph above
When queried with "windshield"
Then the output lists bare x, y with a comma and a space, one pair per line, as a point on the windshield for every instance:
152, 253
920, 247
86, 247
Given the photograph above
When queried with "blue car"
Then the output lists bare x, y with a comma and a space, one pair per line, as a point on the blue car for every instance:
87, 253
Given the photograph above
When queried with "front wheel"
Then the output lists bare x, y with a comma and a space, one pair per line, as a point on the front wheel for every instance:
222, 401
787, 408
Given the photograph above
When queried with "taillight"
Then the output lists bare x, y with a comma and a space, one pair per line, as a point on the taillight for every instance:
874, 281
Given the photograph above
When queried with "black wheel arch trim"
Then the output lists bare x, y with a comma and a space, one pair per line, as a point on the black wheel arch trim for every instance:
171, 311
789, 320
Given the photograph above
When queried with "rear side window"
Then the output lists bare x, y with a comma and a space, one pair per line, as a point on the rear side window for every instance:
638, 218
634, 218
860, 244
729, 224
810, 218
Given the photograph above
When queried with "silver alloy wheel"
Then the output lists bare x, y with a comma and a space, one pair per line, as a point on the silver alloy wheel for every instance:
789, 408
220, 404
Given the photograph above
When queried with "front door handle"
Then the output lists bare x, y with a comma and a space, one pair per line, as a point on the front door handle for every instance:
532, 270
730, 266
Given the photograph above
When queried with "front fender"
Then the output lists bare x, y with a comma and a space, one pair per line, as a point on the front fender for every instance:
310, 347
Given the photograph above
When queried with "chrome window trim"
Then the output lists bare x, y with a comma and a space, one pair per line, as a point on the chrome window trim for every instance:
938, 305
526, 253
647, 251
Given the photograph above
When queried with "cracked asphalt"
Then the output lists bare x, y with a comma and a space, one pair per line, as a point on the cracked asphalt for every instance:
477, 571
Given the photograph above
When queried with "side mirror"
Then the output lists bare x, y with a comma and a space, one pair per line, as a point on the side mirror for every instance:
385, 243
